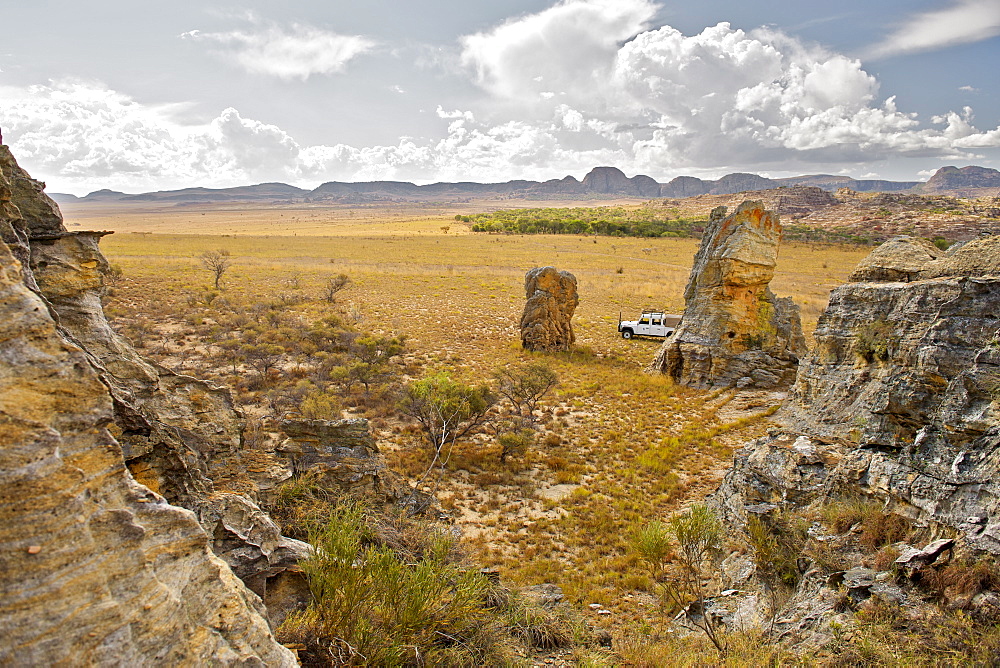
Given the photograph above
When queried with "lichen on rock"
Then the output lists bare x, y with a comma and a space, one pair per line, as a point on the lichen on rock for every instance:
734, 330
94, 568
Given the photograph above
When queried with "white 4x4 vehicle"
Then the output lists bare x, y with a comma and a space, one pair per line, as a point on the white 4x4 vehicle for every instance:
650, 323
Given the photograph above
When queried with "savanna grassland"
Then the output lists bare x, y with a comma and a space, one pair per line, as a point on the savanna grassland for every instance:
616, 446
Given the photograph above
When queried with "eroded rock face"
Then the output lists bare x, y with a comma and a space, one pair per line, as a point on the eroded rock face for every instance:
898, 259
905, 374
897, 404
173, 430
171, 427
94, 568
552, 300
734, 330
250, 542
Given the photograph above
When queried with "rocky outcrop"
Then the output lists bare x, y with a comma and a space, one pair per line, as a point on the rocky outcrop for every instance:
171, 427
740, 182
901, 258
949, 179
684, 186
551, 301
905, 375
898, 398
341, 455
173, 430
734, 330
612, 181
94, 568
897, 405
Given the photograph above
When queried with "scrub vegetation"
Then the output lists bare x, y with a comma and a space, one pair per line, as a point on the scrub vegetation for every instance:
580, 451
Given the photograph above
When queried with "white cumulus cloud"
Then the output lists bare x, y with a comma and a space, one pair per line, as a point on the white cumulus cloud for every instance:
295, 52
962, 22
566, 49
580, 84
721, 97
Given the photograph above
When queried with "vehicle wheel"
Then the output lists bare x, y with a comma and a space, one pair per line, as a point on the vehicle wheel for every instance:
627, 334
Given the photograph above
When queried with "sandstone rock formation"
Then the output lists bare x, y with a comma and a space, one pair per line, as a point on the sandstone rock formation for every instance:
734, 330
897, 404
611, 180
94, 568
552, 300
342, 456
901, 258
898, 398
968, 180
172, 428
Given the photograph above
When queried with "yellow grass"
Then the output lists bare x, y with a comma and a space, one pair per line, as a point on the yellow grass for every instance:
623, 446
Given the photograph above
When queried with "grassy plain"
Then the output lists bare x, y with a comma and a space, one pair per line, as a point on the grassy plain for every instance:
619, 446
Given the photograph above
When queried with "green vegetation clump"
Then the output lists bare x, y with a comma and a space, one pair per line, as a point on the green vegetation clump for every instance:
809, 234
878, 526
776, 543
390, 595
602, 220
876, 340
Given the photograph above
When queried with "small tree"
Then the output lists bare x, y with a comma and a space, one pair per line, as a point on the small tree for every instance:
446, 411
334, 285
522, 388
370, 357
698, 533
262, 357
217, 262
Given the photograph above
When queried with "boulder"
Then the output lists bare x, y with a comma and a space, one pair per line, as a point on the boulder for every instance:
734, 330
901, 258
551, 301
247, 539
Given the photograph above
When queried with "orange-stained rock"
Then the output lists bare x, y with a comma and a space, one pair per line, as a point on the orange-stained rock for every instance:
734, 330
552, 299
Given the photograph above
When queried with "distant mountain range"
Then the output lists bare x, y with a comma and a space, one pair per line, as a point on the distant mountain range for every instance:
601, 181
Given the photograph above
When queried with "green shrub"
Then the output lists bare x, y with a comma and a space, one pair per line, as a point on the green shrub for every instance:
372, 608
875, 340
776, 543
653, 543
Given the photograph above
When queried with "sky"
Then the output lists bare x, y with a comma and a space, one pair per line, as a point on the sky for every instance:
150, 96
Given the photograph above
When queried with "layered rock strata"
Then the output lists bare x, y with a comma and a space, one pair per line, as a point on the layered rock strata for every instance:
734, 330
96, 569
897, 404
341, 455
171, 428
551, 301
904, 377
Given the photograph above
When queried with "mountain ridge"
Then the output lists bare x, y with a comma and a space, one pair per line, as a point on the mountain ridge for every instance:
602, 180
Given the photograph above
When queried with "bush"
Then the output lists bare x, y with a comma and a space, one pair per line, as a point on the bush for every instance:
878, 526
653, 543
776, 544
371, 608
